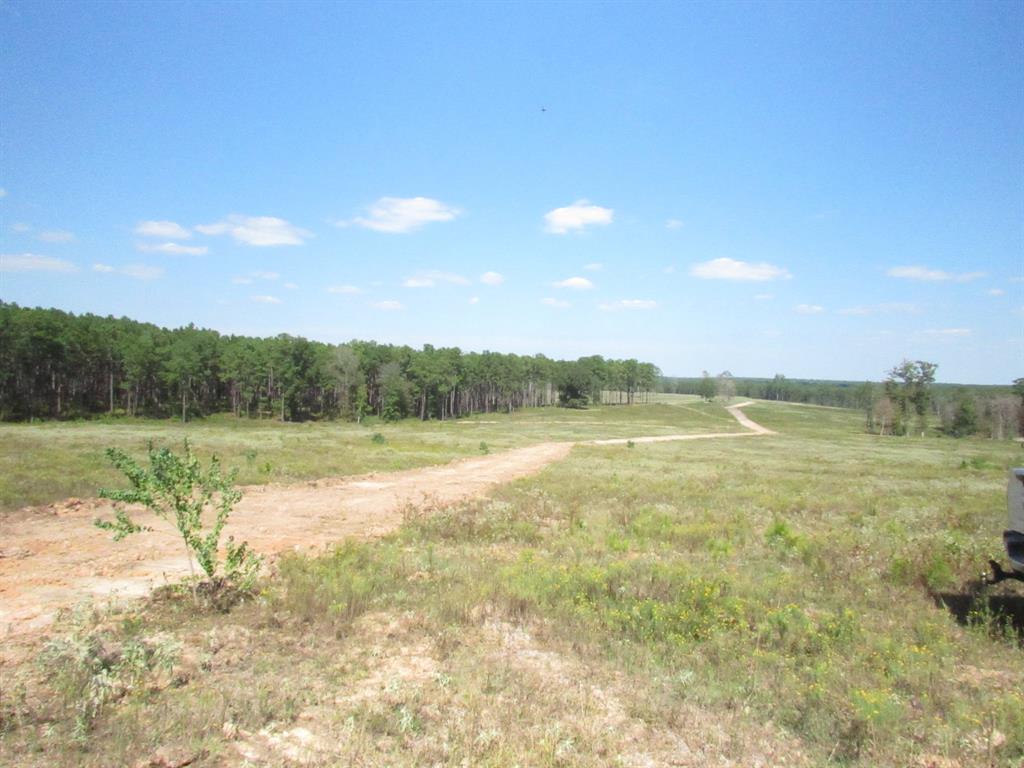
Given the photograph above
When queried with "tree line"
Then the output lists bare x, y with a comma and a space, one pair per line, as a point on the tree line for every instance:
908, 401
59, 365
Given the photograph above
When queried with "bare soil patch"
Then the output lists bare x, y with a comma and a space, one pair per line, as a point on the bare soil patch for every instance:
54, 557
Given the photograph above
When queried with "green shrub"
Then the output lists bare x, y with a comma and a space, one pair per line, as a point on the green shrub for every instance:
177, 489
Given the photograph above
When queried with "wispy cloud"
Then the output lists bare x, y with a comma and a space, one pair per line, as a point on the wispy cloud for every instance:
996, 292
398, 215
474, 300
266, 299
948, 333
764, 296
253, 276
932, 275
21, 226
673, 224
173, 248
137, 271
291, 286
492, 278
594, 266
418, 282
556, 303
577, 217
349, 290
31, 262
576, 283
430, 278
165, 230
891, 308
615, 306
808, 309
388, 305
731, 269
56, 236
3, 192
260, 231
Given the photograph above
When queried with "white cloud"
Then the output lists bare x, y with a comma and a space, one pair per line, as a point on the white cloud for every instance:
576, 283
576, 217
266, 299
996, 292
31, 262
764, 296
948, 333
808, 309
418, 282
167, 230
173, 248
892, 308
932, 275
137, 271
492, 278
3, 192
253, 276
432, 277
669, 270
673, 224
21, 227
628, 304
594, 266
260, 231
56, 236
388, 305
344, 289
731, 269
290, 286
403, 214
474, 300
557, 303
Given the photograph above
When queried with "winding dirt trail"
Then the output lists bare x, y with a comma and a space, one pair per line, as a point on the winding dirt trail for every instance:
54, 557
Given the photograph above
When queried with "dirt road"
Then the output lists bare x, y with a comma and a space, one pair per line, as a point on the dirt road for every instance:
54, 557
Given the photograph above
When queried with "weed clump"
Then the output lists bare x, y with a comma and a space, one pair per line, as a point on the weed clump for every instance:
90, 669
179, 490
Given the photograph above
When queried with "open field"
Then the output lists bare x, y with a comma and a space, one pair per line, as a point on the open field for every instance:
42, 463
768, 601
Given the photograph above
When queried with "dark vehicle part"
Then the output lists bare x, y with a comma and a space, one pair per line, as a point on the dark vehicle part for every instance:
1013, 537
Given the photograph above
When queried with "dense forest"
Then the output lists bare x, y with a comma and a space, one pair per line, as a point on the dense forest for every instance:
58, 365
954, 409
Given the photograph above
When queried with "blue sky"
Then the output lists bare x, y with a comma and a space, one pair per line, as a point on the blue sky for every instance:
818, 190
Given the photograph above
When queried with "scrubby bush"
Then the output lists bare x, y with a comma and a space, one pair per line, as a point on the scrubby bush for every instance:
179, 490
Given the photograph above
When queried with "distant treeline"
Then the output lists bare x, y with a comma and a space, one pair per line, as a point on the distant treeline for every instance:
55, 364
957, 410
840, 394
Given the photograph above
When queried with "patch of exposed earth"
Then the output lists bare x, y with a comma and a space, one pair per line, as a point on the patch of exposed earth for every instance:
501, 696
54, 557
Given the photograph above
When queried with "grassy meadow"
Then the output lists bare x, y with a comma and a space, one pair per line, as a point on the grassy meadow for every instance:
799, 599
45, 462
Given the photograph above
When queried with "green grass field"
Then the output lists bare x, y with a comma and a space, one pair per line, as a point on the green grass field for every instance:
772, 600
42, 463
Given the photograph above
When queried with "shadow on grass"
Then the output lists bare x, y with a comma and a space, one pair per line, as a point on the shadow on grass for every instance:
975, 605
